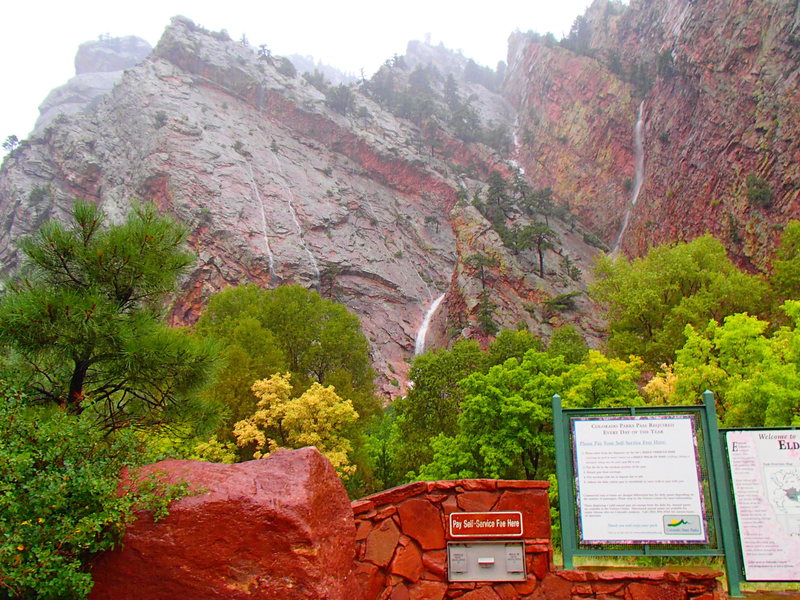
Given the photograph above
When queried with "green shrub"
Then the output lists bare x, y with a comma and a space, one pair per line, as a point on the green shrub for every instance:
340, 99
37, 194
595, 241
563, 301
59, 506
317, 79
758, 190
286, 67
160, 119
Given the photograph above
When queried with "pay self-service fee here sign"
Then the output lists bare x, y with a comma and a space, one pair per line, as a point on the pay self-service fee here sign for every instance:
486, 524
638, 480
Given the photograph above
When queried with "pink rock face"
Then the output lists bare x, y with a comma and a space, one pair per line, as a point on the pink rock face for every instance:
276, 187
268, 529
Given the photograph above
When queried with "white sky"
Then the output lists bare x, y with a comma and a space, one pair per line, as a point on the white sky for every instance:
40, 38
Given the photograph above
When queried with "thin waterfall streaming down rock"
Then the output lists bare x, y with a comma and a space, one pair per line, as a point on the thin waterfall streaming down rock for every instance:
513, 162
419, 345
257, 198
293, 213
638, 148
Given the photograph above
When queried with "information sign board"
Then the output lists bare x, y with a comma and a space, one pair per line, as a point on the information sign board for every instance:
638, 480
486, 524
765, 472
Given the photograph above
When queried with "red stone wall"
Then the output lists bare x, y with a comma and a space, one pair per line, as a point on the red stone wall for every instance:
402, 534
401, 541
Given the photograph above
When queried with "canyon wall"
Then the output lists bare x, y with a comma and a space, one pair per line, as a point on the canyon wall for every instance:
382, 212
277, 187
721, 100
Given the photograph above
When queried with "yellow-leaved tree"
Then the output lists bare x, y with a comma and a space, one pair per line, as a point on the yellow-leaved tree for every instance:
319, 417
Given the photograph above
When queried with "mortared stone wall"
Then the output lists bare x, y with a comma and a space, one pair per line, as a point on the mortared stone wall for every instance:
401, 550
282, 528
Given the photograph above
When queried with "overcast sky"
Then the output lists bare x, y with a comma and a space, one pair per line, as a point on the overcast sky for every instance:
39, 41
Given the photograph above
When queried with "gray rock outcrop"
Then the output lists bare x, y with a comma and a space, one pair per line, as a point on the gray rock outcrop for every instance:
99, 66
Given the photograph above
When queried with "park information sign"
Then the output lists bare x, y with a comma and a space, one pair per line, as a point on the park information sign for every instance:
638, 480
765, 472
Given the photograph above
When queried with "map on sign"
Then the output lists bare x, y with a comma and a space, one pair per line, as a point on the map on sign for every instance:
783, 492
765, 471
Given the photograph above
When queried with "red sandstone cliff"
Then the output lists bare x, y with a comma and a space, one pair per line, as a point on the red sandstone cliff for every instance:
719, 82
277, 187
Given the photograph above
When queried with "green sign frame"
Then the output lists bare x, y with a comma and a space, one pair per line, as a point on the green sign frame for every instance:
720, 503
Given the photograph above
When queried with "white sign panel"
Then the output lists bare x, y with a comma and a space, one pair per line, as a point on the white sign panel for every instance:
765, 469
638, 480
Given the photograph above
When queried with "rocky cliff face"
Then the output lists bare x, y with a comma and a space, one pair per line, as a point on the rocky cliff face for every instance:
378, 211
98, 67
276, 187
719, 87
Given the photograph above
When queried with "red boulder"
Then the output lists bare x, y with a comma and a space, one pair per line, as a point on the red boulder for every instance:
269, 529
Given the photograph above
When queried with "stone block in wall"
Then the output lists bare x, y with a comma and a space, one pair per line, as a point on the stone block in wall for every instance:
535, 508
399, 592
435, 563
362, 506
482, 593
422, 521
382, 542
523, 588
476, 501
368, 579
427, 590
662, 591
607, 587
554, 587
408, 562
506, 591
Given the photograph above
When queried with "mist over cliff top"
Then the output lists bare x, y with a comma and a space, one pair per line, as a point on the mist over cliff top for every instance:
350, 35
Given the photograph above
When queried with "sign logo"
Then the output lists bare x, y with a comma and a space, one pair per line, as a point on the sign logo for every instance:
682, 524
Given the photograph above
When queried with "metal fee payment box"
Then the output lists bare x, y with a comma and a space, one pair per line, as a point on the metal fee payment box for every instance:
486, 561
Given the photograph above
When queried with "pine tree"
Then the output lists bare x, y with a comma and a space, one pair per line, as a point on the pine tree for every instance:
85, 316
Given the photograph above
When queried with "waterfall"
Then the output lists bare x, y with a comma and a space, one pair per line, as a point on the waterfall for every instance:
638, 148
419, 344
293, 213
513, 162
257, 198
